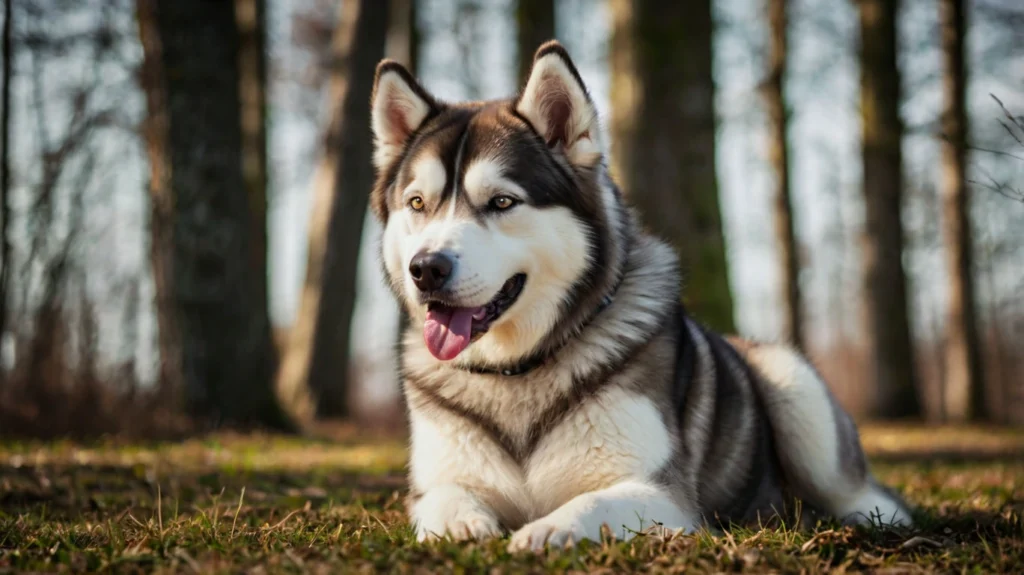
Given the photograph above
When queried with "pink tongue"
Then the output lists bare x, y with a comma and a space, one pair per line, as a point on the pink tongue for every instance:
447, 330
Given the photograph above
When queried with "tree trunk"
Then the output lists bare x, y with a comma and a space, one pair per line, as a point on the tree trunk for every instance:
536, 25
252, 64
215, 339
663, 140
887, 315
403, 40
964, 396
778, 154
315, 373
5, 172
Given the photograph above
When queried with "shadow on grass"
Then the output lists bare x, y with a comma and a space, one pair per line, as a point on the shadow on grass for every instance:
949, 456
69, 491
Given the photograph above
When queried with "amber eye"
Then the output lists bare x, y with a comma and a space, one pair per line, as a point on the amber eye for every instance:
416, 203
502, 202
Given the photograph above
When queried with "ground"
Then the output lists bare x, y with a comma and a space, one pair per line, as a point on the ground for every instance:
263, 503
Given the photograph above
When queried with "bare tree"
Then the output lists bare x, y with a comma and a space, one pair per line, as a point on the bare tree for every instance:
468, 30
251, 18
885, 285
1013, 126
315, 371
778, 153
403, 42
663, 139
53, 386
215, 339
5, 169
964, 395
536, 25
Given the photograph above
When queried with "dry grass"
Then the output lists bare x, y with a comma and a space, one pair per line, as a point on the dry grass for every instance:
265, 503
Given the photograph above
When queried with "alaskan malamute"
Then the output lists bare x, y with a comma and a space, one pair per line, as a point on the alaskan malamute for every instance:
554, 383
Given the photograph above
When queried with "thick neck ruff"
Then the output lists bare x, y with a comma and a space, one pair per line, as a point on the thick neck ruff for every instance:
647, 286
526, 366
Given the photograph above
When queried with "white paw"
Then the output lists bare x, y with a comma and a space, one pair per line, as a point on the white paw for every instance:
876, 508
476, 527
534, 536
453, 512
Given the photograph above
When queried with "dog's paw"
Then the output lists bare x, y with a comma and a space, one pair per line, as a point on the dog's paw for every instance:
534, 536
876, 507
451, 511
472, 527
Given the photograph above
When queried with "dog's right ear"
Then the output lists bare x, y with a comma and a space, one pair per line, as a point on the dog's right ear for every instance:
398, 107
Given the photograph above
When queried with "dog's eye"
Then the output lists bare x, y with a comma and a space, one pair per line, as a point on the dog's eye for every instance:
416, 203
502, 202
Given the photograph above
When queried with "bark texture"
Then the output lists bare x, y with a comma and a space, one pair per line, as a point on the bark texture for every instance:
778, 156
5, 170
403, 42
663, 140
215, 338
885, 286
963, 396
536, 24
315, 376
252, 59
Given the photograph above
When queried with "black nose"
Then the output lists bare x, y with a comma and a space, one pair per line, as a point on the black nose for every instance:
430, 270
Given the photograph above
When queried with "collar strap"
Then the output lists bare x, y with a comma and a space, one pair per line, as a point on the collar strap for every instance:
528, 365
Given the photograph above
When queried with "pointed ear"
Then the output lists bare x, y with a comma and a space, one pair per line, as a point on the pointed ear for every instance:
399, 106
556, 103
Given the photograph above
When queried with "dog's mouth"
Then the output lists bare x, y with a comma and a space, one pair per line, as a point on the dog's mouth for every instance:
448, 329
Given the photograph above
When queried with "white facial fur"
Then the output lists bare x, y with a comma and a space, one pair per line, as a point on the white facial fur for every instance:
549, 245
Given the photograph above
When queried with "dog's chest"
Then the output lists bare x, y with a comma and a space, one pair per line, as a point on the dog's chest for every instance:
614, 436
606, 438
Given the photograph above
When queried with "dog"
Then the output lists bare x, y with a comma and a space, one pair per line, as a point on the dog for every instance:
555, 385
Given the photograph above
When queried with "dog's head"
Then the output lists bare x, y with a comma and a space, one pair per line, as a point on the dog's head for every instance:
497, 215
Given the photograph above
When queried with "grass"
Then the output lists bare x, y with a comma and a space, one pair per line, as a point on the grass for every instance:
270, 504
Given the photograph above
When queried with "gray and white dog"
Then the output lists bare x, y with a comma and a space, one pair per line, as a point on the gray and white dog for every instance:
554, 383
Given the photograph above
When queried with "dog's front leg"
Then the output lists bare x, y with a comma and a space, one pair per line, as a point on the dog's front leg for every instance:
626, 508
453, 511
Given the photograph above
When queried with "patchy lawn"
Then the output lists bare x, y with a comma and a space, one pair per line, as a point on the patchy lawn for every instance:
263, 503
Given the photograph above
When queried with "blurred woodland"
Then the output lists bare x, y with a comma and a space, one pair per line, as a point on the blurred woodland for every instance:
185, 240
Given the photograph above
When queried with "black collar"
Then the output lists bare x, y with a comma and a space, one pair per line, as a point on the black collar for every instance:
531, 363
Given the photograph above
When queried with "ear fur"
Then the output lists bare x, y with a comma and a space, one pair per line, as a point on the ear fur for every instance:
399, 106
556, 103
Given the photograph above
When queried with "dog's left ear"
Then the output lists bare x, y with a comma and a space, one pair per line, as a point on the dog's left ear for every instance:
557, 105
